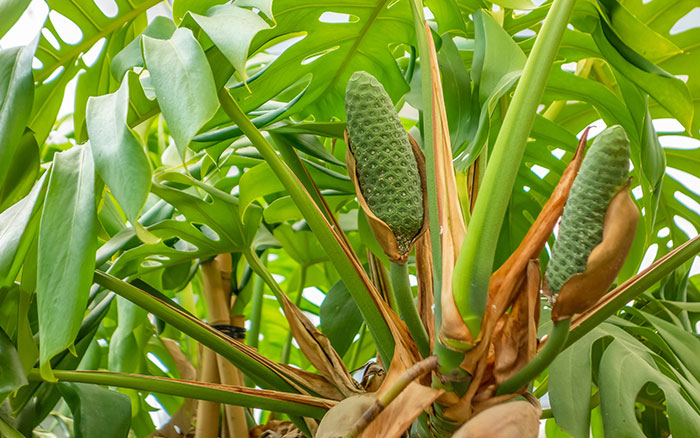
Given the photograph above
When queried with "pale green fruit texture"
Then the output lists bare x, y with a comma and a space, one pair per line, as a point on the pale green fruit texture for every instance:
603, 172
386, 167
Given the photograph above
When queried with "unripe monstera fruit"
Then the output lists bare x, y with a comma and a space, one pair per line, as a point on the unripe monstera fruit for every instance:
597, 225
386, 166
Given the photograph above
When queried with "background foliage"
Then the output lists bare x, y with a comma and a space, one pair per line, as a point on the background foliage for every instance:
148, 177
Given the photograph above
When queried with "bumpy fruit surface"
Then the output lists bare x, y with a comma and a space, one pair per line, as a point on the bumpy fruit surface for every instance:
386, 167
603, 172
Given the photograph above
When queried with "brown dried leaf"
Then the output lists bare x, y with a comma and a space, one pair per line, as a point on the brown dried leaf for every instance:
584, 289
424, 274
515, 341
318, 349
505, 282
275, 429
384, 235
518, 419
373, 377
398, 416
339, 420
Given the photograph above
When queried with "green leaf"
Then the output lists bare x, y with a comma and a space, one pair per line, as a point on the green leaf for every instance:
183, 83
181, 7
66, 258
129, 339
130, 56
97, 411
456, 87
119, 156
496, 67
635, 34
10, 11
624, 371
302, 246
94, 25
566, 86
97, 80
23, 172
670, 92
16, 94
284, 209
570, 402
330, 52
18, 226
48, 98
340, 317
11, 371
683, 343
525, 5
233, 41
212, 226
495, 55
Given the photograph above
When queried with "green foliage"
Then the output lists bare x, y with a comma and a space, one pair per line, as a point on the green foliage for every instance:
148, 176
97, 411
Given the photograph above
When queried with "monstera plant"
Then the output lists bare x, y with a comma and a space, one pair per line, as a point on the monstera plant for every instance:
288, 218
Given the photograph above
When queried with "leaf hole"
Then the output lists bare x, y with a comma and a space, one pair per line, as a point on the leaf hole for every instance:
691, 182
91, 56
558, 153
684, 225
336, 17
691, 20
540, 171
637, 192
525, 33
54, 75
649, 257
284, 43
311, 58
151, 264
208, 232
108, 7
51, 38
66, 29
569, 66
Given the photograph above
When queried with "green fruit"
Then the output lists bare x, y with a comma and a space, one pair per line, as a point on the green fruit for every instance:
386, 167
603, 172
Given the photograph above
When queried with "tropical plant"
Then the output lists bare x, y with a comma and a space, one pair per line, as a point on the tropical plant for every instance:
192, 239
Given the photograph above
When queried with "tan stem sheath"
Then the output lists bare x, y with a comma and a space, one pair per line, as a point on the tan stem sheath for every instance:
208, 412
216, 274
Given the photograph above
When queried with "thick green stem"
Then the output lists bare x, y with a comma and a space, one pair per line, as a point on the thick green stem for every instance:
554, 344
197, 330
358, 348
321, 228
239, 396
409, 313
475, 261
256, 307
